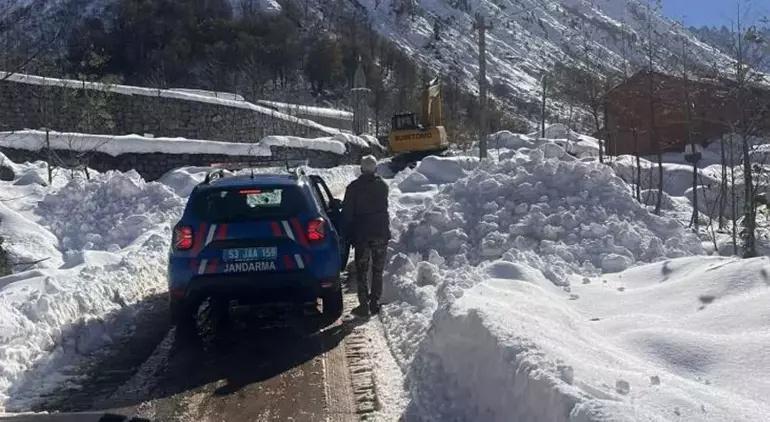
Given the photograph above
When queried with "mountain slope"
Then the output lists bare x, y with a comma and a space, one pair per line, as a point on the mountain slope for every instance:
528, 37
724, 39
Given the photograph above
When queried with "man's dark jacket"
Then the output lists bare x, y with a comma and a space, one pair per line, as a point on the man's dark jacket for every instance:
365, 210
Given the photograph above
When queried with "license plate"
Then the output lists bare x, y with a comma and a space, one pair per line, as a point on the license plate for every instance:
250, 254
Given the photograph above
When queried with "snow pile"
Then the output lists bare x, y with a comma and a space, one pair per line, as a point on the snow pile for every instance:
330, 144
490, 297
27, 242
103, 244
683, 339
107, 212
575, 144
183, 180
541, 207
677, 178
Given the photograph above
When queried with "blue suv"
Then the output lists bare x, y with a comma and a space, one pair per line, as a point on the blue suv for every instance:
259, 238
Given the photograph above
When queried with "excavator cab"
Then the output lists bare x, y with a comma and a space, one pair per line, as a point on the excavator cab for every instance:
408, 136
404, 121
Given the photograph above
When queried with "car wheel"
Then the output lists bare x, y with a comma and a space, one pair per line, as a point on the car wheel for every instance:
332, 305
183, 318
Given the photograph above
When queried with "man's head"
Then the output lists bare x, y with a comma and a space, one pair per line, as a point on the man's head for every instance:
368, 165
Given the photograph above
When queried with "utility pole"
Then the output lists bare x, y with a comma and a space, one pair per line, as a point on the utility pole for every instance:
482, 27
543, 106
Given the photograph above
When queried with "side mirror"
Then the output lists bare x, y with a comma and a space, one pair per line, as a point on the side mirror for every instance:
335, 204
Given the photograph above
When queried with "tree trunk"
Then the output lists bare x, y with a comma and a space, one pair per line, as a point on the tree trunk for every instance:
749, 249
599, 130
734, 205
722, 185
50, 157
695, 215
638, 168
659, 201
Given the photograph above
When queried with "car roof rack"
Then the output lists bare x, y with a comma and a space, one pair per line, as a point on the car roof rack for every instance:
295, 167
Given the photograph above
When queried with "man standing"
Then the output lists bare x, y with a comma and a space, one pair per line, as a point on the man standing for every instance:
367, 224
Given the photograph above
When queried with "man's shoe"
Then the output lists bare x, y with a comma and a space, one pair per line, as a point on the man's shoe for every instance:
374, 307
360, 310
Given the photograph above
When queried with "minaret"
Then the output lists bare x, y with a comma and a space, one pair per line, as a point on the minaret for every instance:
360, 94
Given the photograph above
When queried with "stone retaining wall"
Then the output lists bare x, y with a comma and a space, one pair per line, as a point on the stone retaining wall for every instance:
66, 109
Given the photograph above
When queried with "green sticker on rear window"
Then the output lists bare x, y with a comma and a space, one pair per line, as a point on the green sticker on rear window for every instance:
264, 199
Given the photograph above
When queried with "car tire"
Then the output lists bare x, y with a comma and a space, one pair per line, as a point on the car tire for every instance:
183, 318
332, 305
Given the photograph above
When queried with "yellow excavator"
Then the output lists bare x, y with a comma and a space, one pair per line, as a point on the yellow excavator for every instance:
410, 140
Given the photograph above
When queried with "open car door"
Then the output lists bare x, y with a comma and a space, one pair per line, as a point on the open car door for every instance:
333, 208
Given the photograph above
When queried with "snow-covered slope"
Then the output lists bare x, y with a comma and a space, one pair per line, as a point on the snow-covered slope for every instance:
527, 37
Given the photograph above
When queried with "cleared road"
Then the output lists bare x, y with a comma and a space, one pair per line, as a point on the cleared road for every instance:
266, 368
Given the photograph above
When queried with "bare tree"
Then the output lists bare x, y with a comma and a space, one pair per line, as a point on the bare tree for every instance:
749, 54
687, 101
651, 52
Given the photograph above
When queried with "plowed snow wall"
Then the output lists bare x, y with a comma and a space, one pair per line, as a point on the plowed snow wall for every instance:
152, 166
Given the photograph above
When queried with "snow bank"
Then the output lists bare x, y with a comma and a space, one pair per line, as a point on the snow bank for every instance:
321, 144
557, 214
677, 178
184, 179
681, 339
27, 242
105, 243
35, 140
107, 212
575, 144
486, 257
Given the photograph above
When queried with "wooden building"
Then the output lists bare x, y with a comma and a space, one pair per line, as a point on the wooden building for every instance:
649, 110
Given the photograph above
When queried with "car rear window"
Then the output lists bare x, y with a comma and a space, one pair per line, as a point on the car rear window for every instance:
227, 205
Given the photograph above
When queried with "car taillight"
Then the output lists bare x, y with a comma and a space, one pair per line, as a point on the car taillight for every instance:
316, 230
183, 238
